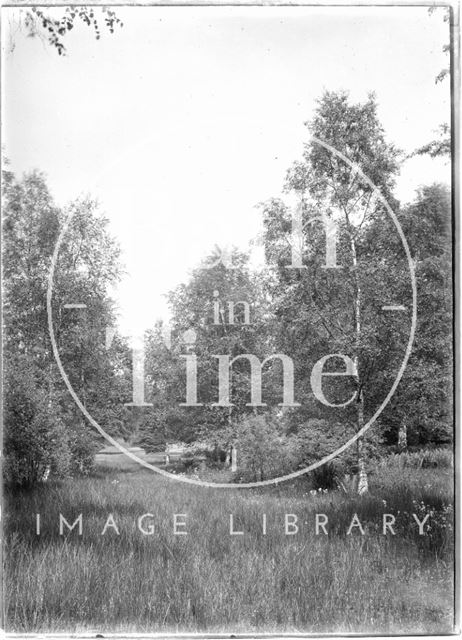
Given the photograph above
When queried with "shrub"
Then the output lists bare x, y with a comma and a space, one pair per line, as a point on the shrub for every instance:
215, 457
83, 446
35, 438
318, 438
189, 461
262, 452
325, 477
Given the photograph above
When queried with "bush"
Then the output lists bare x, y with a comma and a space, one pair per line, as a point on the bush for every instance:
177, 466
83, 446
262, 451
35, 438
325, 477
189, 461
215, 457
318, 438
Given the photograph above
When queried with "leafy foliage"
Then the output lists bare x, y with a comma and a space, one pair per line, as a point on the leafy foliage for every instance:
87, 266
46, 25
441, 146
305, 313
192, 307
35, 437
424, 399
263, 452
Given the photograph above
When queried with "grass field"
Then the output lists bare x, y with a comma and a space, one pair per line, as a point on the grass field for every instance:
209, 580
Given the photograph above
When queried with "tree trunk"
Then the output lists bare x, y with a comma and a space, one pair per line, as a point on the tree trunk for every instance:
363, 484
233, 459
402, 437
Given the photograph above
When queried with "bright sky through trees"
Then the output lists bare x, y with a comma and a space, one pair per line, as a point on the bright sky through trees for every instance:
186, 118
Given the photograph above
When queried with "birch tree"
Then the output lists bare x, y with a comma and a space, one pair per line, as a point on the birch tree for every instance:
332, 310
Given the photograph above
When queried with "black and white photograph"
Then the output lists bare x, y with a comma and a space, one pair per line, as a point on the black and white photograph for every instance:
229, 275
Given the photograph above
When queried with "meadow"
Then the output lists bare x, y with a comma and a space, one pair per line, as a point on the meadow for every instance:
209, 580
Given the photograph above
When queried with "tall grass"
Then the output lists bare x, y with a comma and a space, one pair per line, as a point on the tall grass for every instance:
422, 459
208, 580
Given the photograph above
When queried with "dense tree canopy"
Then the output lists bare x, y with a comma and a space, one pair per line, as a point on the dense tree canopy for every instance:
87, 265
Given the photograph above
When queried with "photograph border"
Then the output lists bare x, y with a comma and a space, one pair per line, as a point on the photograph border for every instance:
455, 84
